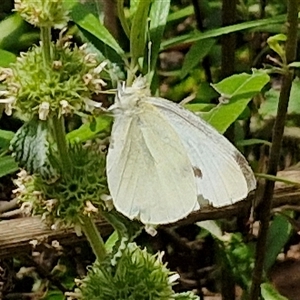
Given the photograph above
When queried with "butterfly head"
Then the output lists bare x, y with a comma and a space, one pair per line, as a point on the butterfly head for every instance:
128, 98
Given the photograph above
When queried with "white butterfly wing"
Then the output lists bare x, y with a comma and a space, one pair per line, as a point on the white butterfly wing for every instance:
149, 174
223, 175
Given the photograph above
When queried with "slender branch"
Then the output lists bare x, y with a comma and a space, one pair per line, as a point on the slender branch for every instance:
199, 19
266, 204
93, 236
46, 44
14, 242
62, 147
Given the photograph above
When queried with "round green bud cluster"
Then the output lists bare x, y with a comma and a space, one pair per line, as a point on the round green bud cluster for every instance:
43, 13
65, 87
137, 275
74, 194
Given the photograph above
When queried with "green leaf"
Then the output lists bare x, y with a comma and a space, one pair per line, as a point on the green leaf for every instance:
158, 18
5, 138
133, 7
269, 107
199, 107
195, 55
138, 30
111, 241
16, 34
6, 58
205, 93
268, 292
54, 295
295, 64
89, 22
32, 149
274, 44
85, 133
122, 18
196, 36
278, 235
212, 227
7, 165
239, 89
181, 13
241, 85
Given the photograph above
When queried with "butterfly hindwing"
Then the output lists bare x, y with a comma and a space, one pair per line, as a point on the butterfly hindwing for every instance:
225, 174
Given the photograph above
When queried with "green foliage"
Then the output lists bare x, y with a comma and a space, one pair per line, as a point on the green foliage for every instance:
269, 107
268, 292
138, 30
32, 149
85, 132
238, 90
91, 24
6, 58
278, 235
274, 43
235, 255
16, 34
195, 55
7, 165
194, 37
158, 18
5, 138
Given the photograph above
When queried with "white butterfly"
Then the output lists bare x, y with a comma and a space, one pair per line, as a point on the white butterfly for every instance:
164, 162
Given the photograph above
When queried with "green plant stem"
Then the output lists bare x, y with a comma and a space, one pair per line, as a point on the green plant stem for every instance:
62, 147
46, 44
266, 203
93, 236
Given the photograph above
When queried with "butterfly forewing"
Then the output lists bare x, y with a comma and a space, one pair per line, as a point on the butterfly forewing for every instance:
150, 175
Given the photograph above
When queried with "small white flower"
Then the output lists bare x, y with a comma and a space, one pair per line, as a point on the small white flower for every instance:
90, 208
91, 58
8, 102
87, 78
34, 243
56, 245
173, 278
160, 256
65, 107
44, 109
56, 65
83, 47
50, 204
101, 67
98, 83
5, 73
150, 229
107, 201
90, 104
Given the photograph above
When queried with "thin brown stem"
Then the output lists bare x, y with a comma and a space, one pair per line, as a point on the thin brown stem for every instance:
199, 20
266, 204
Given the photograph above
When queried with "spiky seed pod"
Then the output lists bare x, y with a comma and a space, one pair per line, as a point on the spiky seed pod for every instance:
43, 13
65, 87
73, 194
